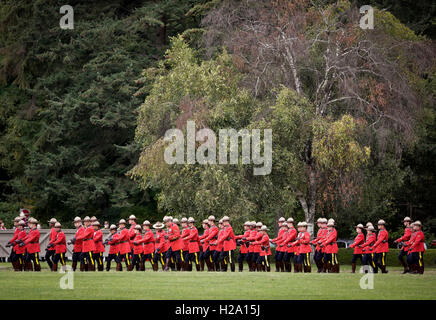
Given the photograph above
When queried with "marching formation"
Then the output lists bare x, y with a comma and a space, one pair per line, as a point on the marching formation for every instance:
179, 248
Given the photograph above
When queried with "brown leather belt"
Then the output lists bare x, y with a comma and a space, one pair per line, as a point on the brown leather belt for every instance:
87, 239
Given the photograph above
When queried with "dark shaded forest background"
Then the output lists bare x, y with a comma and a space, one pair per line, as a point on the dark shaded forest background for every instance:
69, 104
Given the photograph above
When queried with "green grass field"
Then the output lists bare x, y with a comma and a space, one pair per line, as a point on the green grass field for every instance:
214, 285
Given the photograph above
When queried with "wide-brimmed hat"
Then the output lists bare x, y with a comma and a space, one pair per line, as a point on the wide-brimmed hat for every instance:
122, 221
21, 223
370, 228
146, 223
282, 219
191, 220
407, 219
93, 218
96, 223
52, 220
184, 220
303, 224
77, 219
58, 225
176, 221
132, 217
17, 219
138, 227
225, 218
418, 223
211, 218
205, 221
86, 219
264, 228
32, 220
158, 225
112, 227
291, 220
331, 223
360, 226
381, 222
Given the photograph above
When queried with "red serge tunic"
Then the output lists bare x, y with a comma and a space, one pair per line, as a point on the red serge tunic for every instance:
185, 233
60, 243
148, 241
406, 237
98, 242
417, 243
138, 248
52, 238
244, 248
114, 249
382, 245
78, 244
360, 239
330, 242
282, 231
192, 240
174, 237
203, 237
264, 246
32, 241
124, 245
88, 242
367, 247
212, 237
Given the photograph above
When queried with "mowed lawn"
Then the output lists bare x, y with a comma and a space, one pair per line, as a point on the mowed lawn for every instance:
215, 285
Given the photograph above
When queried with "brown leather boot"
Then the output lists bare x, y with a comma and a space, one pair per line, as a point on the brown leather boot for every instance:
277, 266
421, 270
141, 266
288, 266
74, 265
383, 269
201, 265
37, 267
54, 267
100, 267
268, 269
241, 266
197, 267
309, 269
119, 267
353, 268
404, 264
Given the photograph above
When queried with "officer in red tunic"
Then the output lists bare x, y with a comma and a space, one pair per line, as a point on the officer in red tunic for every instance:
360, 239
263, 263
280, 250
77, 249
219, 256
368, 249
176, 244
243, 251
381, 246
331, 248
132, 233
255, 236
205, 247
212, 239
229, 244
149, 246
11, 243
185, 249
124, 244
113, 241
289, 237
402, 240
193, 247
319, 254
416, 249
159, 251
98, 244
50, 252
302, 245
88, 245
138, 248
31, 241
60, 246
17, 252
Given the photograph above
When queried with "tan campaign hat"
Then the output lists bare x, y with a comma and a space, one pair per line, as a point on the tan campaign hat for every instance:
93, 218
184, 219
122, 221
32, 220
264, 228
138, 227
370, 228
226, 218
282, 219
132, 217
381, 222
407, 219
418, 223
166, 219
299, 224
146, 223
319, 220
17, 219
368, 224
211, 218
87, 218
176, 221
331, 223
304, 224
220, 221
52, 220
247, 223
96, 223
77, 219
113, 227
290, 220
58, 225
205, 221
359, 226
21, 223
191, 220
158, 225
285, 224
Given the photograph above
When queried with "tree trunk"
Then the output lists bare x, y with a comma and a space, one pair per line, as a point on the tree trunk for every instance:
308, 202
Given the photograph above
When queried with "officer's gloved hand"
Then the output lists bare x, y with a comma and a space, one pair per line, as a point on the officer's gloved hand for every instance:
22, 244
157, 250
135, 243
9, 244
